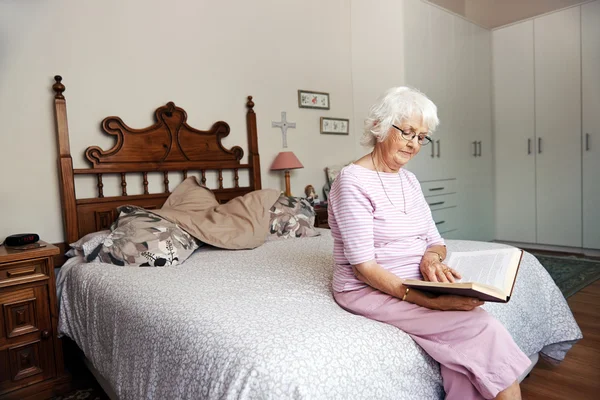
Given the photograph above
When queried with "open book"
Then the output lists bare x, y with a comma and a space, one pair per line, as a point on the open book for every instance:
486, 274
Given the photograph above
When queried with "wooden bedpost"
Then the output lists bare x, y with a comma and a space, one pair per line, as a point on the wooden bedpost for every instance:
253, 157
65, 164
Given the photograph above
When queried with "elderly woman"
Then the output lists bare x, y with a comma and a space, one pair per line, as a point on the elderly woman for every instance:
383, 233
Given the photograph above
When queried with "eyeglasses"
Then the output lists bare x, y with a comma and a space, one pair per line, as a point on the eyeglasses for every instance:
422, 139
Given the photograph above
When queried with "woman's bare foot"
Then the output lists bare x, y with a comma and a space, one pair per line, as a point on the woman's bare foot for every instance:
513, 392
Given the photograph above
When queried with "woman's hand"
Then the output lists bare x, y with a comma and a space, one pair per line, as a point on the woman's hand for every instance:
448, 302
434, 270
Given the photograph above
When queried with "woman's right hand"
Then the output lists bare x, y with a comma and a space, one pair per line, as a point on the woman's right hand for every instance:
449, 302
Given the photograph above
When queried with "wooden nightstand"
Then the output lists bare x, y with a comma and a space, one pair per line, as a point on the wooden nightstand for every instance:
321, 217
31, 357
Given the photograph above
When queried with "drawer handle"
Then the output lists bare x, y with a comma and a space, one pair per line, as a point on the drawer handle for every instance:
437, 188
439, 203
441, 222
45, 334
587, 142
20, 272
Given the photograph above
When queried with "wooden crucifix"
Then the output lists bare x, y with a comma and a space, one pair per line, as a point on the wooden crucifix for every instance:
283, 125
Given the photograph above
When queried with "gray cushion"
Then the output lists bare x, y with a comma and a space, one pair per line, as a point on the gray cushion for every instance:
141, 238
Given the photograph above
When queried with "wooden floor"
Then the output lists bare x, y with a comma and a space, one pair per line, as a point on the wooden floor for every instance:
578, 376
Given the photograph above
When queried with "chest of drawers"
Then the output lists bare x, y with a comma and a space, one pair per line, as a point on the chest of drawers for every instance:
441, 195
31, 360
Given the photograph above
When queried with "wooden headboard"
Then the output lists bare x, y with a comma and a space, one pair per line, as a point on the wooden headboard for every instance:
168, 146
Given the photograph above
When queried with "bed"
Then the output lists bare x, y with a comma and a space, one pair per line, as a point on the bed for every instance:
245, 324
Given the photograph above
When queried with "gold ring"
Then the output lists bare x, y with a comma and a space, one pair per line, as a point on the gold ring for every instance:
445, 270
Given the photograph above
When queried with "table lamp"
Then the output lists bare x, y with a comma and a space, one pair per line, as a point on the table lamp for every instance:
286, 160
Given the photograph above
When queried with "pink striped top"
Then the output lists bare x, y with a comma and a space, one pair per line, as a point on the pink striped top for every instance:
366, 226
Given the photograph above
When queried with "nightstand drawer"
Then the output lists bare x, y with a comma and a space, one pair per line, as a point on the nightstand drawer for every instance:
321, 217
24, 360
28, 363
18, 272
20, 316
24, 312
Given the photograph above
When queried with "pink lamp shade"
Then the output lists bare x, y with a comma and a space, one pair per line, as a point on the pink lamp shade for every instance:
286, 160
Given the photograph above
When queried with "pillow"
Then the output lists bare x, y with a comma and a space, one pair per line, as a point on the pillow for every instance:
74, 253
189, 195
87, 244
292, 217
141, 238
242, 223
332, 171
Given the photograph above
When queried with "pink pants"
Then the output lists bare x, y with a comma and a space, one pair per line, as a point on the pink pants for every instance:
478, 357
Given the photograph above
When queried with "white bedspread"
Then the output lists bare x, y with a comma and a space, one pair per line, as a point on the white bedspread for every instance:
262, 324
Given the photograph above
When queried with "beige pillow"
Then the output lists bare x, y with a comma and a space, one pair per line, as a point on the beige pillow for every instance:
242, 223
190, 196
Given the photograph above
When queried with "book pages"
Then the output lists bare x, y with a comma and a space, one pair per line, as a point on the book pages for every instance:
488, 268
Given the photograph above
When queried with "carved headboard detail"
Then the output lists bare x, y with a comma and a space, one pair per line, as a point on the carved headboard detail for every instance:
168, 146
172, 141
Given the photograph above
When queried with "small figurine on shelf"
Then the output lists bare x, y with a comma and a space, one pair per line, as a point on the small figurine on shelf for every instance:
311, 195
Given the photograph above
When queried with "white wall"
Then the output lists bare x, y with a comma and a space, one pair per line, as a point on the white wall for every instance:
127, 58
377, 55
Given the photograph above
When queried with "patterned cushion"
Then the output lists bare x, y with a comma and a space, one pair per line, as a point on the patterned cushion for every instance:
332, 171
292, 217
88, 243
141, 238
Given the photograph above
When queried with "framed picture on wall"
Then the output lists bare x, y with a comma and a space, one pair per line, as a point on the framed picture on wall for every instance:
312, 99
335, 126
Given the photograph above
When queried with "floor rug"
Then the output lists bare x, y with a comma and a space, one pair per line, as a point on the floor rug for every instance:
570, 273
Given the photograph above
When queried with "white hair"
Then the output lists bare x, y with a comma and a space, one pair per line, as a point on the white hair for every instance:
395, 106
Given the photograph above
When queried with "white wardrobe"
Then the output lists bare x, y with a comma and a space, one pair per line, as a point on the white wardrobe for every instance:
590, 96
449, 59
414, 43
546, 90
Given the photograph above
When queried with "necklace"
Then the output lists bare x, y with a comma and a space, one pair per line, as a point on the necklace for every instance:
385, 191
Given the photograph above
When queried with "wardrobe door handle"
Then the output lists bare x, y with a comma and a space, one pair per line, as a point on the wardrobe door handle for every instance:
539, 145
587, 142
432, 149
479, 148
529, 146
438, 152
474, 149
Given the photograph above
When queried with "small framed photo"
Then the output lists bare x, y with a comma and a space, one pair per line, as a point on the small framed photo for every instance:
312, 99
335, 126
